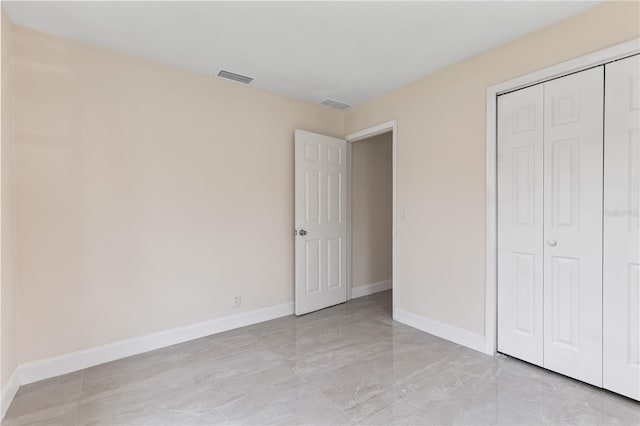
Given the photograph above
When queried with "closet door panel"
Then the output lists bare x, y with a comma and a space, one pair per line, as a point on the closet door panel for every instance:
621, 305
520, 232
573, 155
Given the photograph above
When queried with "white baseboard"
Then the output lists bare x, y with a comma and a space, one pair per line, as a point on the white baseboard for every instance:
74, 361
446, 331
8, 392
365, 290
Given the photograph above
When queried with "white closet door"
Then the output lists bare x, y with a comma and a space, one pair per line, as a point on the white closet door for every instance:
573, 155
621, 229
520, 233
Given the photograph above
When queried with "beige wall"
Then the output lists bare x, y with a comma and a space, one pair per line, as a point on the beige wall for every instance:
371, 210
147, 195
8, 359
441, 160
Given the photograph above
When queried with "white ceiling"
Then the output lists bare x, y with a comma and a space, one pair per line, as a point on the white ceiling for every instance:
348, 51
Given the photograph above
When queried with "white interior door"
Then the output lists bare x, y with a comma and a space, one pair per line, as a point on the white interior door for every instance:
621, 305
573, 156
321, 221
520, 224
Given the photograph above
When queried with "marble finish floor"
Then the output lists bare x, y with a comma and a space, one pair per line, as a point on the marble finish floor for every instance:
349, 364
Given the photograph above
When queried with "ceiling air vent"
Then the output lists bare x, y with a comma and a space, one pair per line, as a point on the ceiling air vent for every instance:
335, 104
235, 77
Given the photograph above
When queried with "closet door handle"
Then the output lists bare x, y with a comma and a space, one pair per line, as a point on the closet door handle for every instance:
552, 243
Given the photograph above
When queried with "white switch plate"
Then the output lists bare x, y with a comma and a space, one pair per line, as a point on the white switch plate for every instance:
403, 214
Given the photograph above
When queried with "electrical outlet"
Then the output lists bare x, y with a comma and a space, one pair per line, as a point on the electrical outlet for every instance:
237, 300
403, 214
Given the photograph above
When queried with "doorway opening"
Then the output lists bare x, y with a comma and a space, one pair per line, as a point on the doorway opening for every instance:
371, 213
323, 217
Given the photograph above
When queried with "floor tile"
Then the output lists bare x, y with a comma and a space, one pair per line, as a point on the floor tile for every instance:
346, 365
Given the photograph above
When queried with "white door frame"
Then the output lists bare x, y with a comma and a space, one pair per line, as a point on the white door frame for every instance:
618, 51
389, 126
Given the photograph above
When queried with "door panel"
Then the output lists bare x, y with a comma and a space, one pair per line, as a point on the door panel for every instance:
320, 210
573, 156
520, 224
565, 301
621, 236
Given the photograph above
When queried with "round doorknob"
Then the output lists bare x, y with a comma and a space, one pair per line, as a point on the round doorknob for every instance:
552, 243
303, 232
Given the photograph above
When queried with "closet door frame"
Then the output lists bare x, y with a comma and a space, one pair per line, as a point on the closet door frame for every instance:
601, 57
